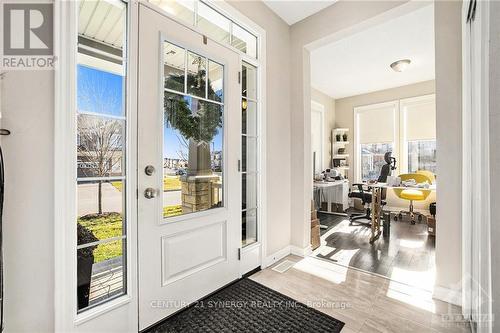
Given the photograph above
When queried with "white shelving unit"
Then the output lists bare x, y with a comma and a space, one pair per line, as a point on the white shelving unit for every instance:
336, 144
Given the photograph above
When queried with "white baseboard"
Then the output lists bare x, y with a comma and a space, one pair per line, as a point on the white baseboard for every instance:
290, 249
301, 252
275, 257
448, 295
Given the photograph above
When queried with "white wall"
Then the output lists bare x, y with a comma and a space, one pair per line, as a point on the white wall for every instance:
329, 123
277, 121
332, 23
448, 39
28, 111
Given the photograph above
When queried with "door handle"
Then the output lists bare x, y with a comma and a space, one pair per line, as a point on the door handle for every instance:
149, 170
150, 193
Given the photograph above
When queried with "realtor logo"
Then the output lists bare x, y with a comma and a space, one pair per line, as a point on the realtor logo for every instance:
28, 35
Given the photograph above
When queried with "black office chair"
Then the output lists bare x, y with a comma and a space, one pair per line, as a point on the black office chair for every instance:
364, 192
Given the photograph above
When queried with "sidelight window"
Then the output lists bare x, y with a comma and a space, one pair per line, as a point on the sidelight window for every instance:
249, 142
101, 150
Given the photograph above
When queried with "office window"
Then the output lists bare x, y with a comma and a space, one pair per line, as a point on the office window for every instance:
101, 150
418, 134
376, 133
372, 159
422, 155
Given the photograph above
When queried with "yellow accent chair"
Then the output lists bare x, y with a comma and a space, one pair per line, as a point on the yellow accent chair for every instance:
429, 174
412, 194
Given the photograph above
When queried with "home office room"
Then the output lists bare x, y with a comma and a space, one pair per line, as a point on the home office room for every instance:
373, 140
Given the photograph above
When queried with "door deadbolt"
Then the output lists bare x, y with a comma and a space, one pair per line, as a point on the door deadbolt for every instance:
149, 170
150, 193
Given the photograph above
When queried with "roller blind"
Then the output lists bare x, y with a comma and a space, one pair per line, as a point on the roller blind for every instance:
376, 123
419, 118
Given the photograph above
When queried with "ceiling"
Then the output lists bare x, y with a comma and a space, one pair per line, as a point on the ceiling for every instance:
359, 63
102, 21
294, 11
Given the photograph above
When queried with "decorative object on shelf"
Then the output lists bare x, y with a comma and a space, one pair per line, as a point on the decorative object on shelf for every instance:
343, 163
341, 151
338, 137
344, 136
336, 163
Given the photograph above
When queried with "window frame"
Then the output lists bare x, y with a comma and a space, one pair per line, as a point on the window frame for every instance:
67, 316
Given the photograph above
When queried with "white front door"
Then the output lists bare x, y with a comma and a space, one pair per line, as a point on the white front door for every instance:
189, 189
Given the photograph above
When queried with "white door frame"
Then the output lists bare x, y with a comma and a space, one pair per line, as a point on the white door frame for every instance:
320, 108
476, 242
65, 37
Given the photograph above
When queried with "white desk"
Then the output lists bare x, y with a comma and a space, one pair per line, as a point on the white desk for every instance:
335, 192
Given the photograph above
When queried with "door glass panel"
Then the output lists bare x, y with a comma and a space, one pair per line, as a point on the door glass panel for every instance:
174, 67
213, 24
216, 81
193, 142
249, 81
249, 191
249, 160
249, 226
249, 117
197, 75
244, 41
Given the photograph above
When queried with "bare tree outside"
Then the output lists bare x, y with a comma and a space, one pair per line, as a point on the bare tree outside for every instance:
100, 146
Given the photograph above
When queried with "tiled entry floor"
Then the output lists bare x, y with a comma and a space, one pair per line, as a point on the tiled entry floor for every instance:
406, 256
365, 302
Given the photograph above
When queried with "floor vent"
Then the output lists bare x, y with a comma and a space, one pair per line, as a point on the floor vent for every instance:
284, 266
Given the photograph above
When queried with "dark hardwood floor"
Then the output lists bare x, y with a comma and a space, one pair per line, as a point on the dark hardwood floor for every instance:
407, 255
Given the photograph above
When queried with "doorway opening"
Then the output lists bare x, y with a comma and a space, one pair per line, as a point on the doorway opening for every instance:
377, 87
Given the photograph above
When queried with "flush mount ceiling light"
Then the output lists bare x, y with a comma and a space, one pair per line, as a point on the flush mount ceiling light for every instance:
400, 65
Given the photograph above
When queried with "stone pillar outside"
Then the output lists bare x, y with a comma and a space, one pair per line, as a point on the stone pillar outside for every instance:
197, 192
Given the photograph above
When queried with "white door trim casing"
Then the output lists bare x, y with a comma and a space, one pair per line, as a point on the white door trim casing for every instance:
320, 108
476, 219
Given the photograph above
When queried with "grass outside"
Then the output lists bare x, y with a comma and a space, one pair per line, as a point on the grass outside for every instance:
170, 183
170, 211
109, 225
105, 226
118, 185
